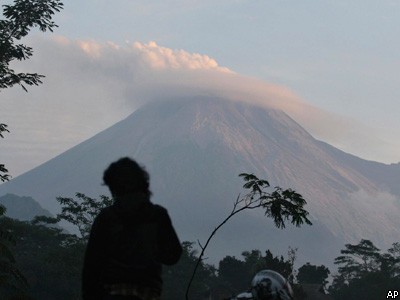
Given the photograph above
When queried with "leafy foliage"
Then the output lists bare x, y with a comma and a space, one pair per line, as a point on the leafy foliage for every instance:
390, 261
51, 258
3, 171
279, 264
3, 128
52, 266
80, 212
233, 273
4, 176
20, 18
363, 265
358, 259
12, 281
281, 205
313, 274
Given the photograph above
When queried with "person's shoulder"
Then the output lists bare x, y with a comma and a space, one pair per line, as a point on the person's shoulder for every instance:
159, 210
106, 213
106, 210
104, 218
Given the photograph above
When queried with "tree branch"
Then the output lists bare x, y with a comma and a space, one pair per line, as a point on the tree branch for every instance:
280, 205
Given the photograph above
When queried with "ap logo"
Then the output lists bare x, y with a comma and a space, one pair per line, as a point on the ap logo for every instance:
392, 294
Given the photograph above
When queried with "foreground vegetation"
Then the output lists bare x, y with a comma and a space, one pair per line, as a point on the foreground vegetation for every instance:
51, 260
39, 260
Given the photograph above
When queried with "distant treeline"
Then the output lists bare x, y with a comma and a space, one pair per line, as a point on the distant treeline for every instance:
38, 260
51, 261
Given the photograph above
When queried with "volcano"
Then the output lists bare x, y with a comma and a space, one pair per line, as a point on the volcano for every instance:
194, 150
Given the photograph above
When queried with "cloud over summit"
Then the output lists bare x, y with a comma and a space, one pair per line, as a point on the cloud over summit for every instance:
89, 86
146, 71
162, 58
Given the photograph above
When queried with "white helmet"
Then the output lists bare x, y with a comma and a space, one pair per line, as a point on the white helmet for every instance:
270, 285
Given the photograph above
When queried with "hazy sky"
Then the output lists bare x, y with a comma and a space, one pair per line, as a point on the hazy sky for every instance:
332, 65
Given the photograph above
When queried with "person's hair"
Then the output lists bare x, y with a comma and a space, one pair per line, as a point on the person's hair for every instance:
126, 176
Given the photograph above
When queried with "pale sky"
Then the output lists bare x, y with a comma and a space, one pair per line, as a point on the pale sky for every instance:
332, 65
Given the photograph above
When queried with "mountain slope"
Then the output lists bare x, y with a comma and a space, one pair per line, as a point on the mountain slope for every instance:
22, 208
194, 150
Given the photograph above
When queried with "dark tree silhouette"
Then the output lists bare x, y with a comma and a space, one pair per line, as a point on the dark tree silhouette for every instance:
362, 266
358, 259
233, 273
278, 264
312, 274
4, 176
20, 18
79, 212
176, 277
11, 279
50, 264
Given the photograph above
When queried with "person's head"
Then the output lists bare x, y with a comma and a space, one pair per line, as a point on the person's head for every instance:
125, 176
270, 285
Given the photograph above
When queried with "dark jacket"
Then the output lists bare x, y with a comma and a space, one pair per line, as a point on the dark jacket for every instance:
129, 241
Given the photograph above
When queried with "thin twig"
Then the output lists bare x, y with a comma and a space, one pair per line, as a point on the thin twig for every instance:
203, 248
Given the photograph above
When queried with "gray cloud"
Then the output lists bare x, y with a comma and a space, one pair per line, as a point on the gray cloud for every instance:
90, 86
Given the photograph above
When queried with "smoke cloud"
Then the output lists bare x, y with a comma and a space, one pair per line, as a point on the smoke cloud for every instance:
89, 86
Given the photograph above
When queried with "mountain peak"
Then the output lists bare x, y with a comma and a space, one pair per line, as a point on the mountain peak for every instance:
194, 150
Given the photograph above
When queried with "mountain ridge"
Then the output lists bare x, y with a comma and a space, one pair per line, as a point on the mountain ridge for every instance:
194, 150
22, 208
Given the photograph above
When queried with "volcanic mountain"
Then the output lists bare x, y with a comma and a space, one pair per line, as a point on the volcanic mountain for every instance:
194, 150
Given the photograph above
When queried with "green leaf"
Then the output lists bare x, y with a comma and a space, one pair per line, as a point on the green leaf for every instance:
5, 253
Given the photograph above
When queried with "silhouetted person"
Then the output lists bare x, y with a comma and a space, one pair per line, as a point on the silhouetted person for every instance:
129, 240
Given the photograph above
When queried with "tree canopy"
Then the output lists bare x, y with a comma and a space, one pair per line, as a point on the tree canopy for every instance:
19, 19
51, 260
366, 273
12, 281
313, 274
